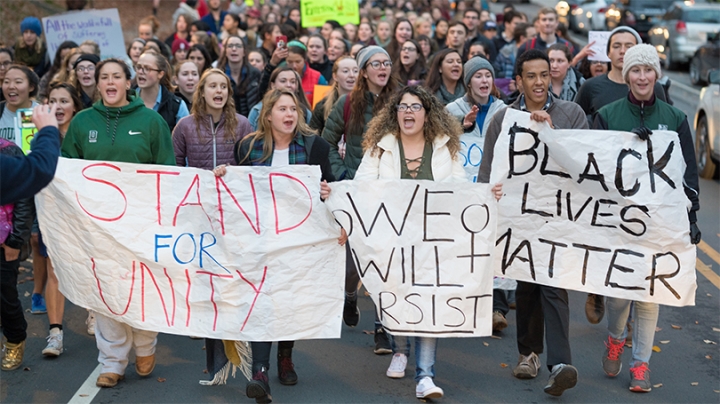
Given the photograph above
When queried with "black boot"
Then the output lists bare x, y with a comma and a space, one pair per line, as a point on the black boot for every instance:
259, 387
286, 369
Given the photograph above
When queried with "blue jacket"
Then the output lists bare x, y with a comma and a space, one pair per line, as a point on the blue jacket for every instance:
24, 176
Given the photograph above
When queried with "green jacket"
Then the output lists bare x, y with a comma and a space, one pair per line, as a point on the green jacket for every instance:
625, 116
142, 135
344, 169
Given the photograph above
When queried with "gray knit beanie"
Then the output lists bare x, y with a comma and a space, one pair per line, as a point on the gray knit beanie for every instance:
641, 55
473, 65
619, 30
366, 53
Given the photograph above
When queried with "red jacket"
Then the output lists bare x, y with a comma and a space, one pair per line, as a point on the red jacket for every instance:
311, 77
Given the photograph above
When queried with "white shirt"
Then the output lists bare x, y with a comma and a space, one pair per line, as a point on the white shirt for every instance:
281, 158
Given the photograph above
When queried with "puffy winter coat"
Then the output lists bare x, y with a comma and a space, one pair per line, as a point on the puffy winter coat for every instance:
210, 146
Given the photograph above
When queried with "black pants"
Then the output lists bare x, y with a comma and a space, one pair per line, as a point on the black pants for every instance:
541, 307
11, 312
352, 279
500, 302
261, 353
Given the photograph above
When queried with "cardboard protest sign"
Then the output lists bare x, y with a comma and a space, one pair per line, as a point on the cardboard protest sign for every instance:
251, 256
314, 13
596, 211
101, 26
600, 47
319, 93
424, 252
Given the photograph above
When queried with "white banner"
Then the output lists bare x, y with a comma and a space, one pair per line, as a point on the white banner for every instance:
424, 252
596, 211
249, 256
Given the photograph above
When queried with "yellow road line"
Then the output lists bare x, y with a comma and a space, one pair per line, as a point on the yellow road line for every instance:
709, 251
708, 273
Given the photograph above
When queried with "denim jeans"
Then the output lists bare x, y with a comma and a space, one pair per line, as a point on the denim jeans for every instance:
425, 349
645, 316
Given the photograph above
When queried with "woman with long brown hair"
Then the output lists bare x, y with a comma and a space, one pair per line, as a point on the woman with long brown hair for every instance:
344, 77
410, 69
282, 139
345, 129
206, 137
245, 79
283, 77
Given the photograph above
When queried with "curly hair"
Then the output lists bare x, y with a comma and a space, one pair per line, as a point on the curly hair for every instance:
437, 121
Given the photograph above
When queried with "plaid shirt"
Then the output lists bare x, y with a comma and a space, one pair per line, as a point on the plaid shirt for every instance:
545, 107
297, 154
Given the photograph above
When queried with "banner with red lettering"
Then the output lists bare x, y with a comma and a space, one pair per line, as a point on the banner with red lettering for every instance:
253, 255
602, 212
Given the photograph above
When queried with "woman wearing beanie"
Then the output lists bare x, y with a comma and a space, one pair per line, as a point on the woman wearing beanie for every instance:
474, 111
179, 51
345, 128
413, 138
641, 112
83, 79
30, 49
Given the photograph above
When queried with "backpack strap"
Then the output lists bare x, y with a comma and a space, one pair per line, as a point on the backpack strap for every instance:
532, 43
2, 107
346, 112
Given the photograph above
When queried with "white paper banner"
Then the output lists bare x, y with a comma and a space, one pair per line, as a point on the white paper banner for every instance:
424, 252
596, 211
101, 26
250, 256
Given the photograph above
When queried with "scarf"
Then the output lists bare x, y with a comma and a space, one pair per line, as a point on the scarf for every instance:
27, 55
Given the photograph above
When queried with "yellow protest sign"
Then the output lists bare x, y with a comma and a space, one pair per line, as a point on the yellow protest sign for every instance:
314, 13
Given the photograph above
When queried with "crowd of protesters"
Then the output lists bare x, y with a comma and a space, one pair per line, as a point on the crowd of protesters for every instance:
405, 92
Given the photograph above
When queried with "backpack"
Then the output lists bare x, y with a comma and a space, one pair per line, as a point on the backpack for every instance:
6, 211
342, 145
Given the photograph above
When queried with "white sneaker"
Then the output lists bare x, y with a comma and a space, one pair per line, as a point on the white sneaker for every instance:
427, 389
90, 322
396, 370
55, 343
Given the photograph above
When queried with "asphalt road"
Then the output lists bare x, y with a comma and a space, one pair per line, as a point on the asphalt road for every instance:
687, 370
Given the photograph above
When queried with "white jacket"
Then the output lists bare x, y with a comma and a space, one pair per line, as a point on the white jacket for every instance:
386, 165
460, 107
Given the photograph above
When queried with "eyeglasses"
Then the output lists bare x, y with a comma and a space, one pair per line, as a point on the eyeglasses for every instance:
376, 64
408, 49
234, 46
5, 65
597, 62
144, 69
412, 107
83, 69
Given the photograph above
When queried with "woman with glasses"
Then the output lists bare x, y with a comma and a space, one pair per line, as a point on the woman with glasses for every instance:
413, 138
153, 73
344, 130
444, 78
402, 33
83, 79
6, 59
244, 77
121, 129
410, 69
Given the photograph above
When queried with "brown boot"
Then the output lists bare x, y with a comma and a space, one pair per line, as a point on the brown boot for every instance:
594, 308
499, 322
108, 379
144, 365
13, 355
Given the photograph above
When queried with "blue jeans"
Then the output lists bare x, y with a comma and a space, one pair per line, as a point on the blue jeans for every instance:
645, 316
425, 349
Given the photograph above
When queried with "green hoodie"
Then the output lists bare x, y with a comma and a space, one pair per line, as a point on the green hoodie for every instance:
142, 135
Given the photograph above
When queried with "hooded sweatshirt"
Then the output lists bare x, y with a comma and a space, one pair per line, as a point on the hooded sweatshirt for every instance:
130, 134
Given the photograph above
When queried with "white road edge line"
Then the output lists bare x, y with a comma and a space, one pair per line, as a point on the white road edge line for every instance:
87, 392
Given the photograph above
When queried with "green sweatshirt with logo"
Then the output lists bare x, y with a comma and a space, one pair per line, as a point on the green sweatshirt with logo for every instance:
130, 134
